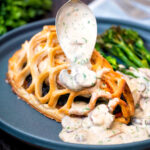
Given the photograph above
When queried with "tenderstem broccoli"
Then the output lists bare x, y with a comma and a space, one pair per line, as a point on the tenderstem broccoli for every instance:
126, 45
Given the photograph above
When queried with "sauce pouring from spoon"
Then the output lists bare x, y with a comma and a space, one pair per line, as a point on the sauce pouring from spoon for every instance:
77, 31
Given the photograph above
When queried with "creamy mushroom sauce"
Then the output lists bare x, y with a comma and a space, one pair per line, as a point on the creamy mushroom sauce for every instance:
99, 126
77, 32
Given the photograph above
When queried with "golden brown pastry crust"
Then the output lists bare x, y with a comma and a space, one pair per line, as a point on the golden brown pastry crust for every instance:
43, 59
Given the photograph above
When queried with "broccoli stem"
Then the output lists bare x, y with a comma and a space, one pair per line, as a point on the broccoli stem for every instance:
133, 57
124, 70
139, 47
116, 51
126, 45
113, 61
110, 59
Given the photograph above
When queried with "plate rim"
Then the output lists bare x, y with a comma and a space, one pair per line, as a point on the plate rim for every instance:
103, 19
56, 144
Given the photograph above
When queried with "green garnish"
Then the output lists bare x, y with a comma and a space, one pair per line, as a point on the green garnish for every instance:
100, 142
75, 59
85, 39
84, 75
137, 129
65, 29
113, 132
92, 84
68, 14
104, 85
146, 79
86, 108
84, 61
76, 9
137, 105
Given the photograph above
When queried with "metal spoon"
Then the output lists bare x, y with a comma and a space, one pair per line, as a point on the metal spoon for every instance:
65, 15
77, 31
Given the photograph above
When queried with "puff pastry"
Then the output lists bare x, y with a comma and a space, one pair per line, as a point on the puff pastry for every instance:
33, 74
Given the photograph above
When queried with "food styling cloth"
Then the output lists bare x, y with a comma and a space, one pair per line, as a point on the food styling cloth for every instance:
111, 9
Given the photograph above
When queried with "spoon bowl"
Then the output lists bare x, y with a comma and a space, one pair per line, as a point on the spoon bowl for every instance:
76, 30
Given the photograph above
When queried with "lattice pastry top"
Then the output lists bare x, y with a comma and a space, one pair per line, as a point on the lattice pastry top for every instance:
33, 74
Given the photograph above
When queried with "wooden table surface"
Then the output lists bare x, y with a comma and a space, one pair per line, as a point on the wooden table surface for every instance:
8, 142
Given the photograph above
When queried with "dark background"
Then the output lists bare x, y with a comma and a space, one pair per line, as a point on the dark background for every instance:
58, 3
8, 142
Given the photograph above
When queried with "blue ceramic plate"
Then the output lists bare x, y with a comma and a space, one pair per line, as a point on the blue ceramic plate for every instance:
24, 122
